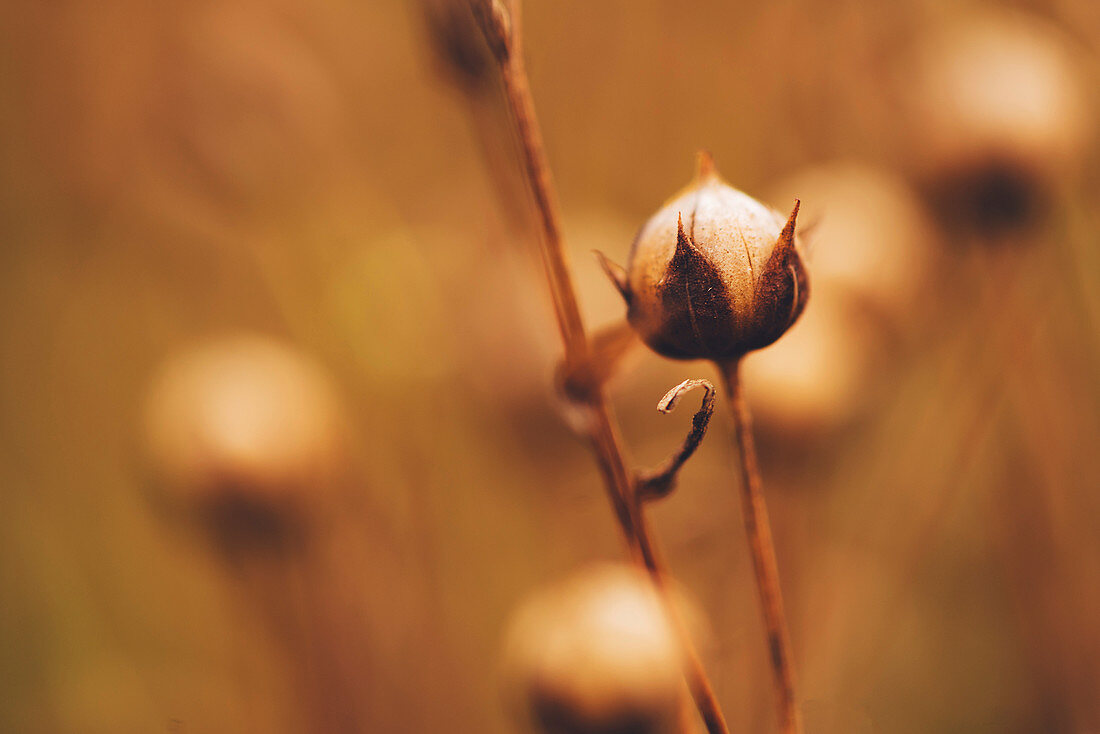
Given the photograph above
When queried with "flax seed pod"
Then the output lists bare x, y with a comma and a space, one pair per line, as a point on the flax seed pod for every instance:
867, 235
816, 379
457, 44
596, 654
246, 437
714, 274
244, 433
999, 120
870, 252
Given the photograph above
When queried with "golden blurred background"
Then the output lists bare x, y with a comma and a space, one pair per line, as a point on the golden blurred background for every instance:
282, 250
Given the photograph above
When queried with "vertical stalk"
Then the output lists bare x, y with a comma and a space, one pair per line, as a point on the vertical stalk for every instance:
702, 692
501, 25
522, 108
762, 550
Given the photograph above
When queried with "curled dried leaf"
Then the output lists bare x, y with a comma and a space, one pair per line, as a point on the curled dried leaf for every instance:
659, 482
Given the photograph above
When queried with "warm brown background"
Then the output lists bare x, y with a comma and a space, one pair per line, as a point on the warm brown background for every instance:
179, 170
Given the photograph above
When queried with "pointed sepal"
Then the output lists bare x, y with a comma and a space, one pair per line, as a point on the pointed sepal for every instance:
685, 245
786, 236
616, 273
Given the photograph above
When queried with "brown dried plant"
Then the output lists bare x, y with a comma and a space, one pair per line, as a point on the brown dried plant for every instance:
500, 23
725, 283
247, 445
743, 315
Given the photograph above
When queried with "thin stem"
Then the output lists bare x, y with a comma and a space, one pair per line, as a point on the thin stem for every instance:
603, 432
537, 168
605, 439
762, 550
702, 692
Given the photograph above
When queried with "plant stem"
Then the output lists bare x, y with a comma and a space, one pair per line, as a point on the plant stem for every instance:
603, 431
702, 692
537, 168
762, 550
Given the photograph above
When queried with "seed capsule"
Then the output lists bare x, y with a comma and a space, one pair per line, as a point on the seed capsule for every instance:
243, 433
714, 274
870, 251
816, 379
596, 654
457, 43
867, 236
999, 118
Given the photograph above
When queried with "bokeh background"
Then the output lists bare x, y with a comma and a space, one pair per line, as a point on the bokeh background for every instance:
175, 174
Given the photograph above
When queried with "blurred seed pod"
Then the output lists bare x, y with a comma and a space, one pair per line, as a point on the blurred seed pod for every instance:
998, 119
457, 44
596, 654
245, 435
866, 232
870, 256
816, 378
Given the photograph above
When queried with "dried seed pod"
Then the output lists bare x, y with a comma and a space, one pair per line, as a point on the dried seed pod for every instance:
495, 19
714, 274
457, 43
817, 378
244, 432
999, 118
867, 234
596, 655
870, 250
